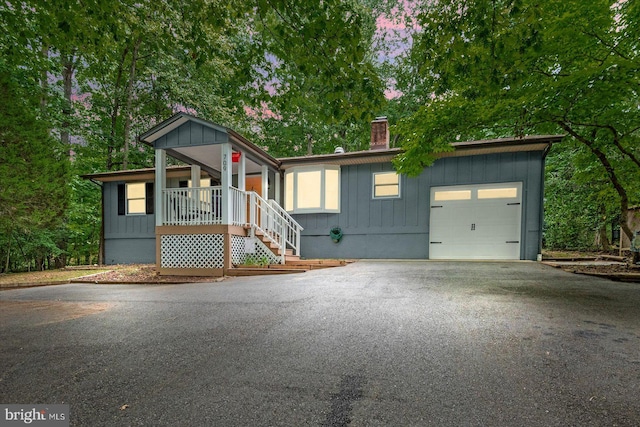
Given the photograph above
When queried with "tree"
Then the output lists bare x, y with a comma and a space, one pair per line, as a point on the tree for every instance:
317, 83
512, 67
96, 74
34, 169
580, 206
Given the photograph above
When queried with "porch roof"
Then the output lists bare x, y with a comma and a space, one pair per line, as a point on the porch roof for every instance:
146, 174
197, 141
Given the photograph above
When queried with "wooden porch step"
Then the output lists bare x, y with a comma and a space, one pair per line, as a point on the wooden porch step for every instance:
292, 266
263, 271
316, 263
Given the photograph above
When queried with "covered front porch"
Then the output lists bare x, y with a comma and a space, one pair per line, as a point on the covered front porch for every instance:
209, 226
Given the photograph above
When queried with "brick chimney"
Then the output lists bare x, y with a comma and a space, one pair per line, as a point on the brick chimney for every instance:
379, 134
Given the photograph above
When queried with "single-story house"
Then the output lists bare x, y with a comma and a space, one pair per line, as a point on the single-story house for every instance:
234, 202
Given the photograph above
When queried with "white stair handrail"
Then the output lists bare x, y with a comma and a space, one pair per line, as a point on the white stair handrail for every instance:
275, 224
294, 229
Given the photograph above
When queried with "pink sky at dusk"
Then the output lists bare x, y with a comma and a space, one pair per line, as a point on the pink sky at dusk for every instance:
394, 37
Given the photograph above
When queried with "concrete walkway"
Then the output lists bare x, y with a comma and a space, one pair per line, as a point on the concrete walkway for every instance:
368, 344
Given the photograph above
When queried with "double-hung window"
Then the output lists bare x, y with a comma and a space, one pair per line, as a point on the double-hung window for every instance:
312, 189
386, 185
135, 198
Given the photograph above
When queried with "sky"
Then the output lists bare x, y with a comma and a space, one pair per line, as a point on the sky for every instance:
394, 37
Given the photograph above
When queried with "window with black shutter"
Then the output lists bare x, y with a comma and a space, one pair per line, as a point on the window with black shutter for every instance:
149, 187
136, 198
121, 199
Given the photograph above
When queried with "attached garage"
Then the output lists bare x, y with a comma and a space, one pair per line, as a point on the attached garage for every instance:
476, 221
484, 200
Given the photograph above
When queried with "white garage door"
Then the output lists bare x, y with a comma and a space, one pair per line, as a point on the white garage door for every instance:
476, 221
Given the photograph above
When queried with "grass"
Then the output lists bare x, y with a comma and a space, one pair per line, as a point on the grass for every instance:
37, 277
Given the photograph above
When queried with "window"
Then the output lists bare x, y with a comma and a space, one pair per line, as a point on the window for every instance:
135, 198
498, 193
312, 189
452, 195
204, 182
386, 185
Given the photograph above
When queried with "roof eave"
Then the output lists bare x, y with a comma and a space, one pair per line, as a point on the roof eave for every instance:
136, 174
489, 146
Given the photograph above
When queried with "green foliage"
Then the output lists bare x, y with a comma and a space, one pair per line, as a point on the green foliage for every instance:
83, 219
316, 78
96, 74
578, 202
516, 67
262, 261
34, 172
28, 155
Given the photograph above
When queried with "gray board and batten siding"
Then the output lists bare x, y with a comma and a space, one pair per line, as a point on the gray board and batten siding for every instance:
131, 239
192, 134
399, 227
128, 239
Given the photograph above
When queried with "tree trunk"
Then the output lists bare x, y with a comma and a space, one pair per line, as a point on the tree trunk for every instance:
44, 81
604, 238
6, 265
309, 145
602, 230
127, 119
60, 261
618, 144
394, 141
115, 112
67, 80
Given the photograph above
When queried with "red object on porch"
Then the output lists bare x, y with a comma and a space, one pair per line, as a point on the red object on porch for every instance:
235, 157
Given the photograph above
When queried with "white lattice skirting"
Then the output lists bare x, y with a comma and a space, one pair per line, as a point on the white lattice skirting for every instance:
192, 251
238, 254
261, 253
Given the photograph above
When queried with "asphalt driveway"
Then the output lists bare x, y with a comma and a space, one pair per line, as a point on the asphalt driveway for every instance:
369, 344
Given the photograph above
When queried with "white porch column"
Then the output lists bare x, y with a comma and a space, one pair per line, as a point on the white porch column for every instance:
242, 173
265, 182
160, 184
195, 176
226, 172
276, 196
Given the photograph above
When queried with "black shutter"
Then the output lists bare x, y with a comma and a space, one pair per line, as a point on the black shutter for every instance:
121, 200
149, 202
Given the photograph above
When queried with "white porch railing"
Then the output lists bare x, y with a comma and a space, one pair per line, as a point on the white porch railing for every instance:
192, 206
238, 207
203, 206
